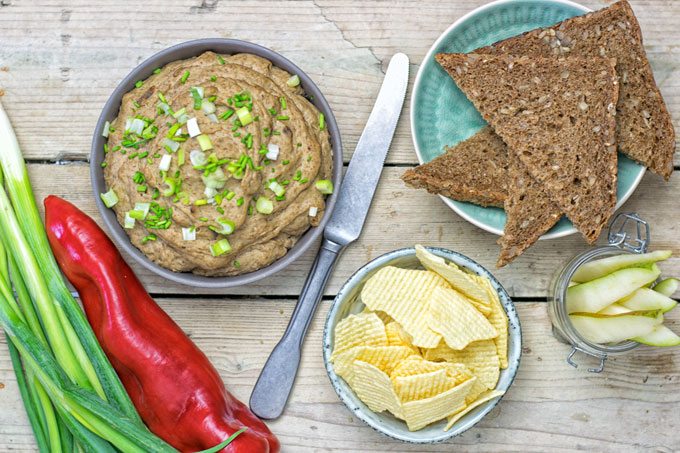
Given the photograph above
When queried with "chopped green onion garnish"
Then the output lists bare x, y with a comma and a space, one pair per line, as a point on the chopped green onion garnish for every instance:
201, 202
171, 187
244, 116
230, 195
325, 186
213, 78
322, 122
129, 221
136, 104
157, 71
105, 132
237, 264
135, 215
143, 207
142, 188
227, 226
283, 117
150, 237
139, 83
283, 103
293, 81
220, 59
240, 201
285, 162
277, 188
185, 76
204, 142
109, 198
189, 234
264, 205
227, 114
197, 96
104, 164
220, 247
180, 157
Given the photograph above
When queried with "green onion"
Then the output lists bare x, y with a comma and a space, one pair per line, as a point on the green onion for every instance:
277, 188
240, 201
220, 59
293, 81
197, 96
227, 114
129, 221
285, 162
67, 373
171, 187
230, 195
105, 132
244, 116
227, 226
180, 157
282, 117
109, 198
264, 205
103, 164
184, 78
157, 71
142, 188
204, 142
143, 208
139, 83
201, 202
213, 78
283, 103
325, 186
220, 247
322, 122
149, 237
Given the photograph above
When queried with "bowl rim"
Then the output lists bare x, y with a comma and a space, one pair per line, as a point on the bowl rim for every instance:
181, 51
508, 305
453, 204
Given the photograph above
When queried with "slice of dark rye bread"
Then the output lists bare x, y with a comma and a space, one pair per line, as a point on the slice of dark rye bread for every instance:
475, 170
644, 128
558, 116
479, 170
529, 212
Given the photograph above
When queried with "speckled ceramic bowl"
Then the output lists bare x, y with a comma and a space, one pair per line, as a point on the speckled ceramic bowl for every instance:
347, 302
180, 52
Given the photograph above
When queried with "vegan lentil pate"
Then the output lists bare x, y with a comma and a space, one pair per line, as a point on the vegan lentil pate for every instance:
217, 164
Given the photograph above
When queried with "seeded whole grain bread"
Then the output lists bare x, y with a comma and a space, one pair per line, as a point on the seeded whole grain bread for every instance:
529, 212
644, 128
558, 116
475, 170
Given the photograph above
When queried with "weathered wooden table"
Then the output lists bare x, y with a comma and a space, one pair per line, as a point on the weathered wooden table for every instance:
59, 61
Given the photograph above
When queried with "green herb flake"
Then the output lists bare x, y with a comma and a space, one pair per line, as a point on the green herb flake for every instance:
157, 71
185, 77
139, 83
220, 59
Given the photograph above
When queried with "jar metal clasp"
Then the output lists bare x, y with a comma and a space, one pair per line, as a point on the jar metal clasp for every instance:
628, 232
570, 359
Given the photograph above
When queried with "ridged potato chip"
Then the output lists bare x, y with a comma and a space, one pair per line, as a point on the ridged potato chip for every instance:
421, 386
418, 365
421, 413
382, 357
404, 294
459, 280
374, 388
499, 320
457, 320
483, 398
397, 336
480, 357
363, 329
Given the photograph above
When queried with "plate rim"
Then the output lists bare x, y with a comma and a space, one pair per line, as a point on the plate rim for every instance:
452, 204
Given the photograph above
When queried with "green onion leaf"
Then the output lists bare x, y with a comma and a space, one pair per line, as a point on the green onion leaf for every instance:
293, 81
109, 198
244, 116
184, 78
325, 186
322, 122
264, 205
220, 247
204, 142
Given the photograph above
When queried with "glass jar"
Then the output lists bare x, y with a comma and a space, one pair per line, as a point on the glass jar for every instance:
628, 233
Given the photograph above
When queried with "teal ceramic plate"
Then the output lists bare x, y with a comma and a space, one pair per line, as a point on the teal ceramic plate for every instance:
442, 116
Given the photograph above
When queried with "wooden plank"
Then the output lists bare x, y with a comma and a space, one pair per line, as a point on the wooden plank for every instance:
56, 82
401, 217
632, 406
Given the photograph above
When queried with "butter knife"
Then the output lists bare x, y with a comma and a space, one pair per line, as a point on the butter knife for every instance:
275, 383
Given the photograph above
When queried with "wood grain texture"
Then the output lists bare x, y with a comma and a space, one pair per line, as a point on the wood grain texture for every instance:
401, 217
550, 407
61, 60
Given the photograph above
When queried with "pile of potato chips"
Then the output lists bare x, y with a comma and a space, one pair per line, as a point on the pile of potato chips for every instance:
430, 344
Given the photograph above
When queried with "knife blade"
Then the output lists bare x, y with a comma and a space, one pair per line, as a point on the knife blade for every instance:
274, 385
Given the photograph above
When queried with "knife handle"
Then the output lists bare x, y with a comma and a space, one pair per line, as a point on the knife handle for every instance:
275, 383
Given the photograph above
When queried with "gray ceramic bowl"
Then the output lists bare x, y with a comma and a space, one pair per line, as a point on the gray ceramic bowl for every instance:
347, 302
187, 50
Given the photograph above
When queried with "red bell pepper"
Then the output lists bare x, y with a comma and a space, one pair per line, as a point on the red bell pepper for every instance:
173, 385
